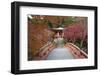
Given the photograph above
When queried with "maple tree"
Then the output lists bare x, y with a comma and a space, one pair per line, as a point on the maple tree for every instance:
76, 33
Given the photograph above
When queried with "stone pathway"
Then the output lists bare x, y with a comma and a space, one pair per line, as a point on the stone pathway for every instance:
60, 53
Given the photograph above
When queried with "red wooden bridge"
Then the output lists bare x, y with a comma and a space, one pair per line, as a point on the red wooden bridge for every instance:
44, 52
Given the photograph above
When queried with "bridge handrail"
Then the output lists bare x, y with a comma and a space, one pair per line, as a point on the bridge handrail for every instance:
79, 49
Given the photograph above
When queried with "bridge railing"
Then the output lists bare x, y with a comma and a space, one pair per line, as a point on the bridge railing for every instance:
76, 51
43, 52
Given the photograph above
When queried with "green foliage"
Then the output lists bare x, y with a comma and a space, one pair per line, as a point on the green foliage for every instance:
62, 23
69, 20
34, 21
50, 25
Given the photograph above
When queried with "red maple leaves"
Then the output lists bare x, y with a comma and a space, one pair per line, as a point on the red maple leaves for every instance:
75, 32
